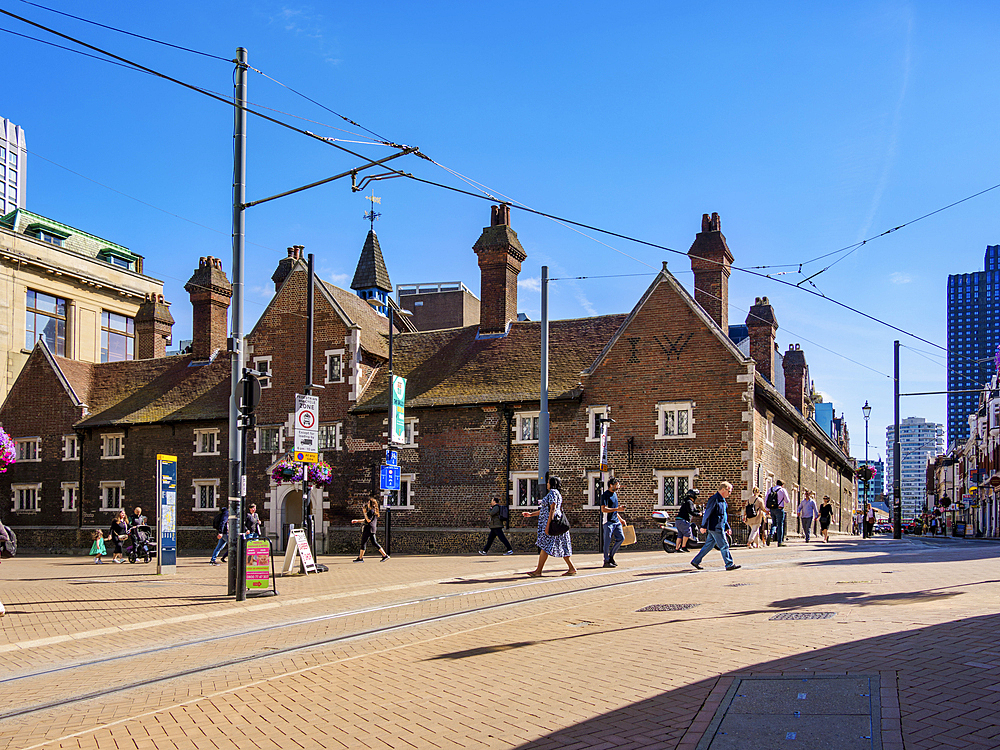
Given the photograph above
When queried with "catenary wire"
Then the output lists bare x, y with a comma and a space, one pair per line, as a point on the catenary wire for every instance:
68, 49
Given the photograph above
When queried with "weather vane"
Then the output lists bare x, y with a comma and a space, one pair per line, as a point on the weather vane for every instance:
373, 214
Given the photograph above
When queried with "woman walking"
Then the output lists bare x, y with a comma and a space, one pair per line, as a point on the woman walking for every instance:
119, 533
753, 516
548, 545
825, 516
370, 522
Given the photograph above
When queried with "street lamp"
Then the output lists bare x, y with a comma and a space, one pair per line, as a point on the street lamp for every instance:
867, 411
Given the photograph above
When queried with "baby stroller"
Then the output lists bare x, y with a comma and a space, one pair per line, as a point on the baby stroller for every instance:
139, 544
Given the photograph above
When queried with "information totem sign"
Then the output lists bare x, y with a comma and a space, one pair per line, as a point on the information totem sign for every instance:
397, 427
166, 519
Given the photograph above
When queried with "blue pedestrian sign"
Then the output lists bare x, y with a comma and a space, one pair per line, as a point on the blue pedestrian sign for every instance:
392, 458
390, 478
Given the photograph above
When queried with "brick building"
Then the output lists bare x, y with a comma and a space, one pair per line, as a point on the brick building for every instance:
690, 408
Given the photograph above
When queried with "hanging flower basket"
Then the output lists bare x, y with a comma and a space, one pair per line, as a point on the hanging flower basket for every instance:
321, 474
286, 470
865, 473
8, 453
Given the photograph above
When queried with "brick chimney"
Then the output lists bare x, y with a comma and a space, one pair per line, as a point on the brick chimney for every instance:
710, 261
153, 324
763, 327
797, 379
210, 292
285, 265
500, 256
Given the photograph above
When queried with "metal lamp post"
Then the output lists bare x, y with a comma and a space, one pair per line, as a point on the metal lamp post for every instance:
867, 411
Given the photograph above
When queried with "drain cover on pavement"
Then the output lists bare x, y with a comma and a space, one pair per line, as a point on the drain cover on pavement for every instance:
803, 616
666, 607
737, 585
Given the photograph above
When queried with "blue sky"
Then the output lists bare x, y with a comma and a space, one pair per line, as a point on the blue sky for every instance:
808, 127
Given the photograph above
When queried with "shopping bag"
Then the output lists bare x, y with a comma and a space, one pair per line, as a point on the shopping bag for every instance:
629, 532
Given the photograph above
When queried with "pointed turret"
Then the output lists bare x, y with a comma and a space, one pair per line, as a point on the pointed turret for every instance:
371, 279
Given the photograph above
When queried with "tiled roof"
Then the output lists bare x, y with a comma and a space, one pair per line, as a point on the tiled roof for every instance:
371, 272
152, 390
374, 327
454, 367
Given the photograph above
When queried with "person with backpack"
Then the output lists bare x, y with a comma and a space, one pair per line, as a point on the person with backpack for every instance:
753, 516
495, 523
221, 524
777, 499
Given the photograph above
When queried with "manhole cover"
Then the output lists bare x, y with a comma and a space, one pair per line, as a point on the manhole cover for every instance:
737, 585
666, 607
803, 616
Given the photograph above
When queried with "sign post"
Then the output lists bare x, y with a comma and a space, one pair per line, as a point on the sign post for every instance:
166, 519
307, 446
397, 422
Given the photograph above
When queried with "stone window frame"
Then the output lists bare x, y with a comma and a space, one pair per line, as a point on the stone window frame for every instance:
204, 432
28, 503
519, 418
796, 449
106, 441
338, 436
515, 478
410, 432
406, 487
71, 448
769, 429
118, 484
676, 407
32, 446
196, 495
592, 498
265, 381
659, 475
257, 440
70, 493
326, 365
594, 434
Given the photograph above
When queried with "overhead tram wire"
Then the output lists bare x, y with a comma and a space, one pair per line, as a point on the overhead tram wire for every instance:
69, 49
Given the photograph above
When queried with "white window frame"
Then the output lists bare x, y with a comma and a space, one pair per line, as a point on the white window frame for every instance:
338, 436
813, 462
769, 430
31, 499
70, 492
105, 486
523, 416
660, 475
796, 449
515, 477
265, 382
71, 448
106, 441
406, 482
410, 433
196, 496
199, 434
257, 446
676, 407
31, 446
593, 499
326, 365
593, 431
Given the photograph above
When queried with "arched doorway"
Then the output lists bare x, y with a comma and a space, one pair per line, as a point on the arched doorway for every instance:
291, 514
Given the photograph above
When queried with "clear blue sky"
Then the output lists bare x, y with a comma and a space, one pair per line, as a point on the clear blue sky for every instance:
807, 127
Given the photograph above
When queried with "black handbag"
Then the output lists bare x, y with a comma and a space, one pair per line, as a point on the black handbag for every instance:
558, 523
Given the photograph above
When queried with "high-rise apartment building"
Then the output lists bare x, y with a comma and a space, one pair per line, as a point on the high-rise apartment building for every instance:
13, 166
920, 441
973, 336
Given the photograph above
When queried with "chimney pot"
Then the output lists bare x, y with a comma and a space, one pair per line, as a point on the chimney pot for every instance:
210, 292
711, 261
500, 257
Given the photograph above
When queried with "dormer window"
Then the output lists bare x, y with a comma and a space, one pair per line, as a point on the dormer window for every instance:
52, 239
52, 235
118, 257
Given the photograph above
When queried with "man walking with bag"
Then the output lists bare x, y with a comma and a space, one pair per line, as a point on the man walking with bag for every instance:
715, 521
614, 535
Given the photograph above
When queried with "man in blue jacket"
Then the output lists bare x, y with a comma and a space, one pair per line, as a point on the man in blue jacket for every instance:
221, 534
715, 521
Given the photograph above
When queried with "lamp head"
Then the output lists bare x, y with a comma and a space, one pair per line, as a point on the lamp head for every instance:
866, 409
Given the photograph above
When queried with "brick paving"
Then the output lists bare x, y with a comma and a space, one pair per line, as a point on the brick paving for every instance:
499, 667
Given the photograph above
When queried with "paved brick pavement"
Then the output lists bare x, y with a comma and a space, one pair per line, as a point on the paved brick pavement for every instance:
463, 652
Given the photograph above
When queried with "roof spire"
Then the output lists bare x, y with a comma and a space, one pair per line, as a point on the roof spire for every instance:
373, 215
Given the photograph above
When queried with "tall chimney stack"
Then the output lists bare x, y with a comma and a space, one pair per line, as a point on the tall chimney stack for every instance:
500, 257
153, 324
763, 327
710, 261
797, 379
285, 265
210, 292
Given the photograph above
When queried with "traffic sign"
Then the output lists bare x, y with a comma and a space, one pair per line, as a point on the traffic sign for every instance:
306, 423
306, 458
392, 458
390, 478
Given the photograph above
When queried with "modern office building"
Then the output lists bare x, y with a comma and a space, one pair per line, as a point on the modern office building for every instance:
13, 166
920, 441
973, 336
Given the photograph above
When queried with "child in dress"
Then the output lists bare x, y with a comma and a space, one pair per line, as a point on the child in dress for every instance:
97, 548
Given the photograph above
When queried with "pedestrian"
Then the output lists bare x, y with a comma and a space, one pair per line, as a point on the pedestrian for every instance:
777, 499
807, 511
825, 516
495, 523
765, 528
137, 518
251, 524
97, 548
549, 545
614, 535
684, 520
221, 524
715, 522
370, 522
119, 533
869, 520
753, 516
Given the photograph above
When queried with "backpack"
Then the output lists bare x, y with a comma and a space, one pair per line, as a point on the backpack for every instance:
217, 523
504, 512
751, 510
772, 498
8, 546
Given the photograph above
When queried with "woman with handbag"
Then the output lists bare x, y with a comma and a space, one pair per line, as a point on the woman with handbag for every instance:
119, 533
553, 529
